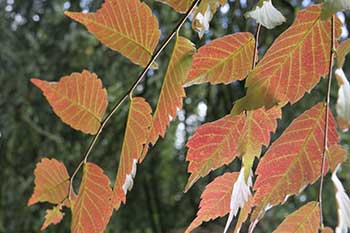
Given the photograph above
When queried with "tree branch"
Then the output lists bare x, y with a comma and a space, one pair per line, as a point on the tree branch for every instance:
130, 92
325, 142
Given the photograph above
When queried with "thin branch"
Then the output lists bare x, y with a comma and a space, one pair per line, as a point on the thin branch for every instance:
325, 142
130, 92
256, 54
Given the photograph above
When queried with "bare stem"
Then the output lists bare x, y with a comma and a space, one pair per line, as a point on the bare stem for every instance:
256, 54
325, 142
129, 93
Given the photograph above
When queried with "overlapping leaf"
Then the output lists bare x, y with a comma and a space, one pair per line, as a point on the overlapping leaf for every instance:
294, 159
51, 182
223, 60
137, 128
220, 142
305, 220
172, 91
53, 216
79, 100
126, 26
204, 13
331, 7
92, 209
342, 51
215, 200
180, 6
336, 155
294, 63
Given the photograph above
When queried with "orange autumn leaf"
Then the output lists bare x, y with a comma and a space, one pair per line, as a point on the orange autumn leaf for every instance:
126, 26
79, 100
215, 200
223, 60
220, 142
294, 63
137, 128
342, 52
92, 208
180, 6
53, 216
294, 159
305, 220
172, 92
51, 182
336, 155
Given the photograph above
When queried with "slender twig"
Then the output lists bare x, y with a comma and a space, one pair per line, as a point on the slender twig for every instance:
130, 92
256, 54
325, 142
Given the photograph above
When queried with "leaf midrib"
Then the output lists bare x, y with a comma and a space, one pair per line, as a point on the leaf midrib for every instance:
121, 34
296, 160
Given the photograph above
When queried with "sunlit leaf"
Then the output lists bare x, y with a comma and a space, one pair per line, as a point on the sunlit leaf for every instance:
215, 200
294, 159
294, 63
343, 203
93, 207
126, 26
220, 142
266, 14
79, 100
137, 127
51, 182
172, 92
223, 60
304, 220
240, 196
53, 216
243, 215
204, 14
343, 102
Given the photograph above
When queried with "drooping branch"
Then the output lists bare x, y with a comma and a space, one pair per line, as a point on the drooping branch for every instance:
129, 93
256, 53
325, 142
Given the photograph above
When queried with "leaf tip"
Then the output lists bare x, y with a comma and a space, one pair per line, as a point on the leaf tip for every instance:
191, 180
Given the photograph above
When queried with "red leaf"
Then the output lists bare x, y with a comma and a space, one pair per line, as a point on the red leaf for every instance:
220, 142
304, 220
215, 200
79, 100
93, 207
51, 182
172, 92
223, 60
293, 160
53, 216
294, 63
137, 128
126, 26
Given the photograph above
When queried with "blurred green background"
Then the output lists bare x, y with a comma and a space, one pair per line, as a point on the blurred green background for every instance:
37, 40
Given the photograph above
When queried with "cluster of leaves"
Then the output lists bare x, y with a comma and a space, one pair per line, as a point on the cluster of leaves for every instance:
292, 66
